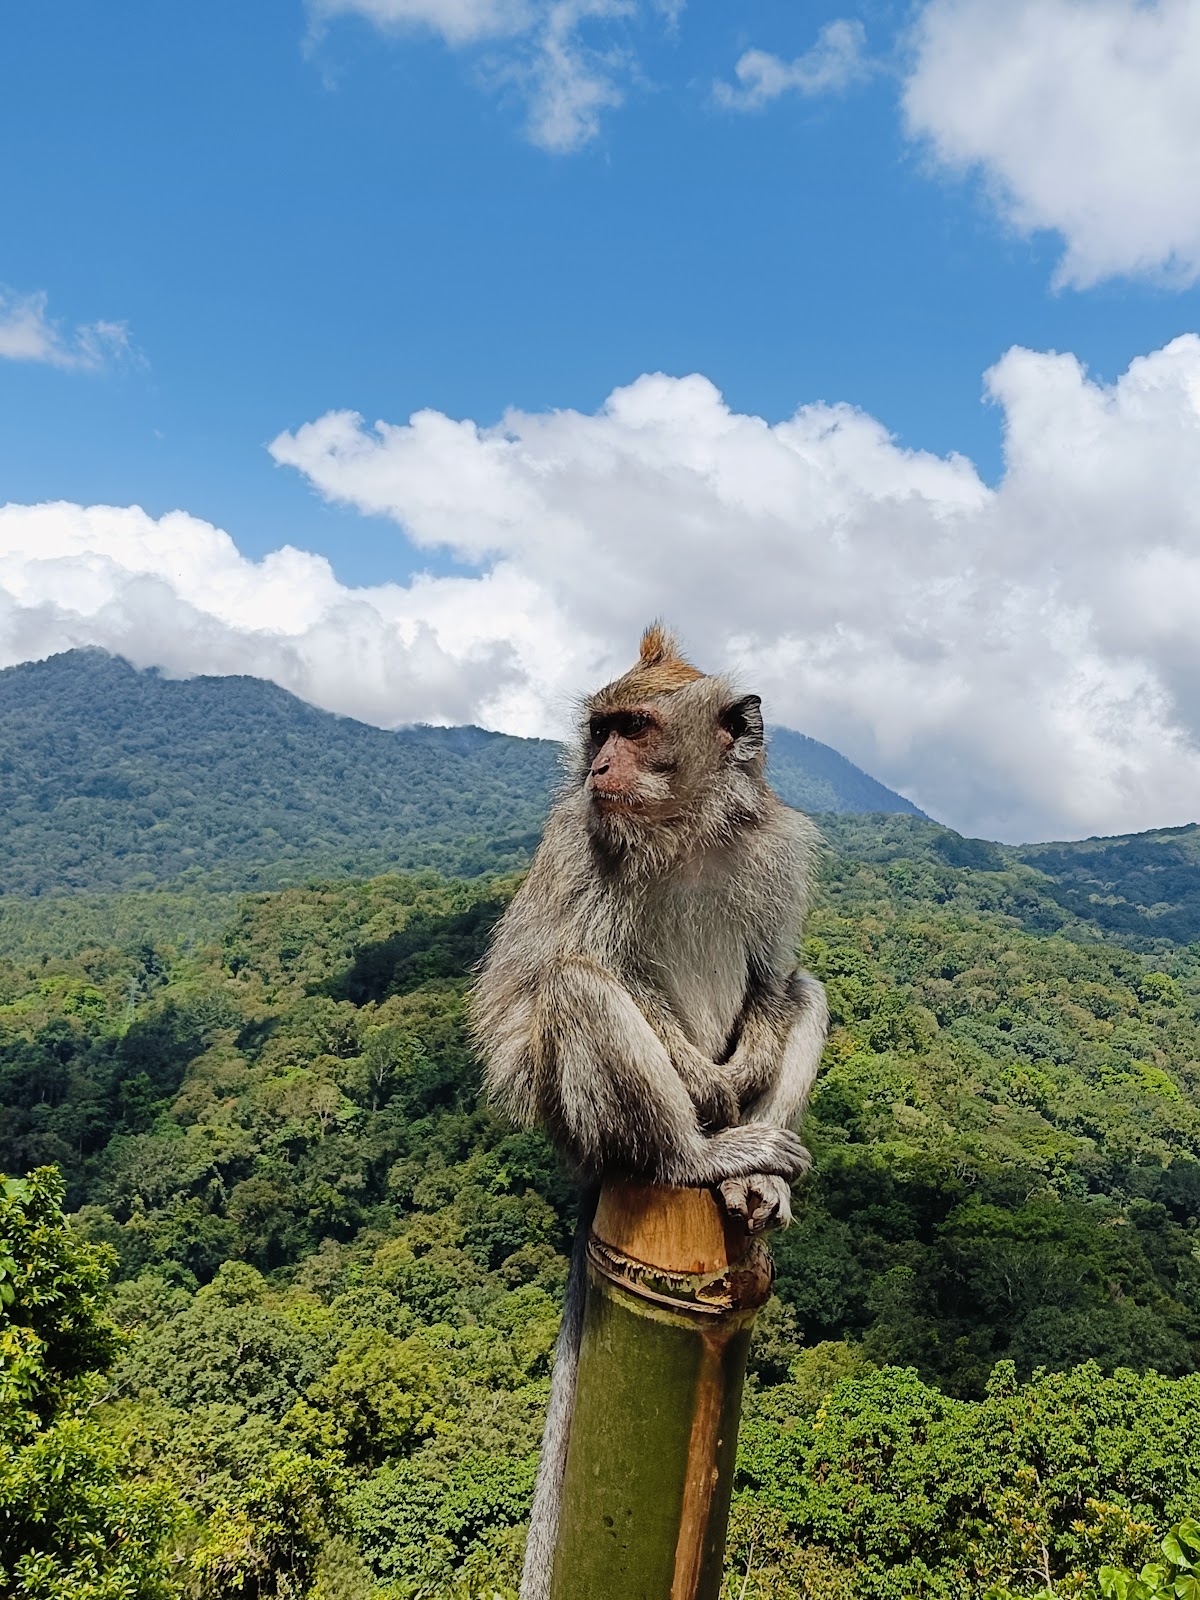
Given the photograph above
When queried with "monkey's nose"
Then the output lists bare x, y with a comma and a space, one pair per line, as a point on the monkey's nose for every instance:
598, 771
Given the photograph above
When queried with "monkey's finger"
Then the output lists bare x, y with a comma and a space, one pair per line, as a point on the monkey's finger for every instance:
735, 1196
769, 1216
771, 1206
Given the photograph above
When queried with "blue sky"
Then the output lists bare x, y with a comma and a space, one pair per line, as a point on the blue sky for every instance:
268, 213
287, 226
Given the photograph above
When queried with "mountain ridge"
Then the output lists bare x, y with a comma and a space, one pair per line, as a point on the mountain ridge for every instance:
115, 778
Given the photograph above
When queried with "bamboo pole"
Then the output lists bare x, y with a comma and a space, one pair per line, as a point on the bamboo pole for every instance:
673, 1288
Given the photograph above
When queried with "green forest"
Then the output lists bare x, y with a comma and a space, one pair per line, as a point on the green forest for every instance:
279, 1294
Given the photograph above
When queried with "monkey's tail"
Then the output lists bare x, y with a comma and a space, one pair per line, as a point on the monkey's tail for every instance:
552, 1465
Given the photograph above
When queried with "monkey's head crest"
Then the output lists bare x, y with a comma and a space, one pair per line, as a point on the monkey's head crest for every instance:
660, 669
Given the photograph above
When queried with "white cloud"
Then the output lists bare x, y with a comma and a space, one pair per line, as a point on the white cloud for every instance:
561, 56
1007, 657
567, 84
458, 21
176, 593
1023, 661
837, 60
28, 334
1082, 116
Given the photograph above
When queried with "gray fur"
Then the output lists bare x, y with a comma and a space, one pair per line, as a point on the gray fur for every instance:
640, 999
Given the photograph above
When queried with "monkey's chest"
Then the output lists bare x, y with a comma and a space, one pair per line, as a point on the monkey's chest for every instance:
701, 969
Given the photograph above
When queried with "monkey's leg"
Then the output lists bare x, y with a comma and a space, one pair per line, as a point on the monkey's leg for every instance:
783, 1102
621, 1105
762, 1198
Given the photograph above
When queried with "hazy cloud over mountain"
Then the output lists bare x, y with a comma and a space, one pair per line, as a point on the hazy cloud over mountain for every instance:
1022, 661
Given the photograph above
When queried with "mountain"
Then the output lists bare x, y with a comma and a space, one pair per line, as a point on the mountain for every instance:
812, 777
111, 778
1142, 886
1141, 889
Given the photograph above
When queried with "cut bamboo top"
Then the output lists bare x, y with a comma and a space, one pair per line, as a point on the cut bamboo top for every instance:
674, 1230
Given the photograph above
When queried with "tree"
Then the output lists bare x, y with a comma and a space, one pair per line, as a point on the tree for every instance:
72, 1526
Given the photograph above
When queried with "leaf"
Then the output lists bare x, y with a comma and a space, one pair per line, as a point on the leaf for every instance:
1118, 1584
1175, 1553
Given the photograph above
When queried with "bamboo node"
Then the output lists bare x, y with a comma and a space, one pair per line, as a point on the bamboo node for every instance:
743, 1285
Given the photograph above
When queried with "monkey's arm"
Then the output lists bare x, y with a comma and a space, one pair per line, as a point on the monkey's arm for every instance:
613, 1098
781, 1096
780, 1040
789, 1066
713, 1093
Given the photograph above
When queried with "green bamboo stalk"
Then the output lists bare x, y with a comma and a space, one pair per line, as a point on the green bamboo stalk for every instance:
673, 1288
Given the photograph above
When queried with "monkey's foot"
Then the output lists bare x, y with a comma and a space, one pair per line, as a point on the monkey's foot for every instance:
762, 1200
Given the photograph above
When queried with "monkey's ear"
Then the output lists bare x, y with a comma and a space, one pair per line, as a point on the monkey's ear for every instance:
742, 722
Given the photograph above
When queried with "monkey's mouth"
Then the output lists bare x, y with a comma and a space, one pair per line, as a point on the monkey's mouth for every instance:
617, 799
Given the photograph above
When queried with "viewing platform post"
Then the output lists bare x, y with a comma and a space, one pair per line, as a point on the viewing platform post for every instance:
673, 1288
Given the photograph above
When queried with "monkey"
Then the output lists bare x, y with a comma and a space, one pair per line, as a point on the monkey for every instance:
640, 998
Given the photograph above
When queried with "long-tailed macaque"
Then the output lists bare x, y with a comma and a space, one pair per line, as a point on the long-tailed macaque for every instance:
640, 999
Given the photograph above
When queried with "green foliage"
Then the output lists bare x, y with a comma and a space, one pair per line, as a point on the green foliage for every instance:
339, 1276
1175, 1577
420, 1529
50, 1292
73, 1525
895, 1489
267, 1546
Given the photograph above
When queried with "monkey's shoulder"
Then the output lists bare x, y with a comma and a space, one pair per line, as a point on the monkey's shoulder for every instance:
783, 845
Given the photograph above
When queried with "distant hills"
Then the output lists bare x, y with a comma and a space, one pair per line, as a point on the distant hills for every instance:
814, 777
1141, 888
114, 779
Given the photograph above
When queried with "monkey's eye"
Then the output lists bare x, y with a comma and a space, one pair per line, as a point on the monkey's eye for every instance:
636, 723
598, 730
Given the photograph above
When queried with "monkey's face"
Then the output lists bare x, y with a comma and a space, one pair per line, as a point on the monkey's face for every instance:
687, 754
629, 767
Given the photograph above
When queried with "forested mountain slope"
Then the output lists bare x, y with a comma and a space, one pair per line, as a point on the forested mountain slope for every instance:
340, 1275
343, 1274
1142, 889
114, 779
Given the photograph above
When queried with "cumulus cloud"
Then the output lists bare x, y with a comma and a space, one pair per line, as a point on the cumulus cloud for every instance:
176, 593
1082, 116
561, 56
27, 333
1022, 660
837, 60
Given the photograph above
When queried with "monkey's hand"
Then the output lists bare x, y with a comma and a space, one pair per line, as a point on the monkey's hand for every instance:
713, 1093
762, 1201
